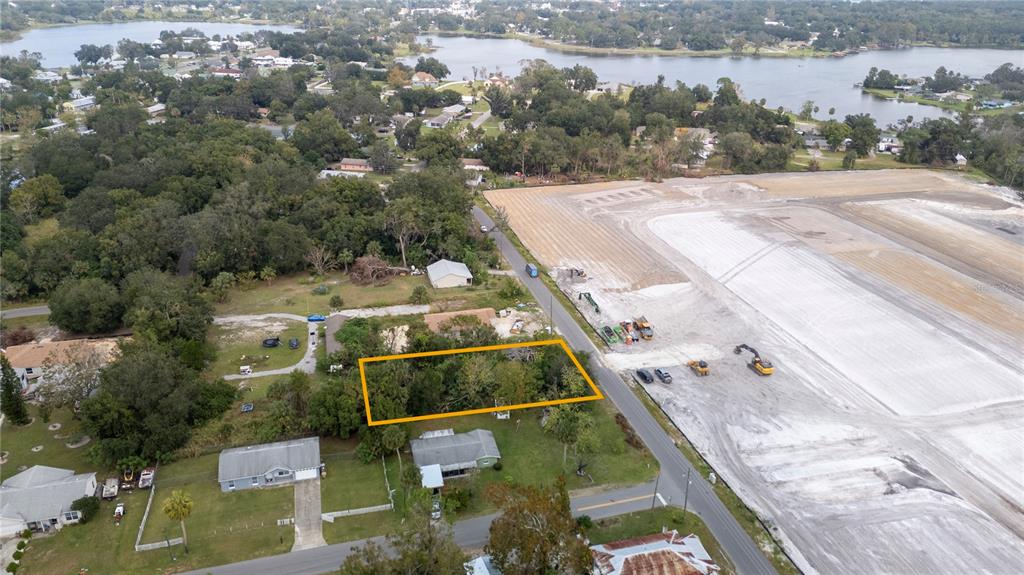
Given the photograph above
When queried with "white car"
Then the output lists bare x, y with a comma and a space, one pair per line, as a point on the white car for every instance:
483, 229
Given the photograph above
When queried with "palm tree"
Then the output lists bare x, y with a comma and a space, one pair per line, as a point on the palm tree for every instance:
178, 507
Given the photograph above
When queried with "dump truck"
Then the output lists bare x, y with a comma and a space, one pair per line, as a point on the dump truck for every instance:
699, 366
760, 365
627, 326
644, 327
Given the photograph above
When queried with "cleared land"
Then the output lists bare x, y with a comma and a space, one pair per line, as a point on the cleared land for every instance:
891, 437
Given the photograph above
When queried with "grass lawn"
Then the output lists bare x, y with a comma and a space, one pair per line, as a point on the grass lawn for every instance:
238, 345
361, 526
531, 456
650, 522
350, 483
33, 322
18, 441
223, 527
834, 161
293, 294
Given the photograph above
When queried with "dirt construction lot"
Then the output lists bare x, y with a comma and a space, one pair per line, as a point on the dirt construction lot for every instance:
891, 437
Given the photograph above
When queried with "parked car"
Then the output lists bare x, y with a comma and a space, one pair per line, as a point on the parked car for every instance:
663, 375
483, 229
644, 375
247, 407
245, 370
316, 317
435, 510
293, 343
272, 342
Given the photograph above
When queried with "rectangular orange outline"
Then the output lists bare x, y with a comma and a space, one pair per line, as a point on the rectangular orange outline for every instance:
366, 397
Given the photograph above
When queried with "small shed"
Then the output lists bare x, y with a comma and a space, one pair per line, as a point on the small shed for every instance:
446, 273
431, 477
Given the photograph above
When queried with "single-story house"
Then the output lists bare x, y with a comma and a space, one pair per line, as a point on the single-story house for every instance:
184, 55
456, 453
155, 110
446, 273
27, 359
46, 76
269, 464
324, 174
40, 499
498, 80
455, 109
473, 164
655, 554
423, 79
352, 165
961, 161
434, 321
441, 120
481, 566
234, 73
889, 143
80, 104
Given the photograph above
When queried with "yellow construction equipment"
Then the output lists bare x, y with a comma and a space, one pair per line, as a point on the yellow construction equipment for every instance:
760, 365
700, 367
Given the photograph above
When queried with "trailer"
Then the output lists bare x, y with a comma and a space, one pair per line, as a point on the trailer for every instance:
146, 477
110, 487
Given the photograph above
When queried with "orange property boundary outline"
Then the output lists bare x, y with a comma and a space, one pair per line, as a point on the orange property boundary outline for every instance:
366, 396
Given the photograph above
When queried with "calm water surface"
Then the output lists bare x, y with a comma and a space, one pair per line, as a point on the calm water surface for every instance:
784, 82
58, 45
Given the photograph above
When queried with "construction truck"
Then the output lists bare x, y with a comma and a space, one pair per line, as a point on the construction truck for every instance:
760, 365
699, 366
627, 326
644, 327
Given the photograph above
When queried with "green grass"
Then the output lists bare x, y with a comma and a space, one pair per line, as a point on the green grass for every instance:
649, 522
293, 294
361, 526
33, 322
834, 161
350, 483
238, 346
18, 441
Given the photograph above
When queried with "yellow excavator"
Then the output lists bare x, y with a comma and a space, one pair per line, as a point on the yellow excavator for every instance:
699, 366
760, 365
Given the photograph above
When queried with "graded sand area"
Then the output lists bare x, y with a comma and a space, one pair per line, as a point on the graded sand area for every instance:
891, 437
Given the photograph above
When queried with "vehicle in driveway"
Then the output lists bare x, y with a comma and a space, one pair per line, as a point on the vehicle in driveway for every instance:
272, 342
644, 376
293, 343
663, 375
245, 370
316, 317
483, 229
435, 510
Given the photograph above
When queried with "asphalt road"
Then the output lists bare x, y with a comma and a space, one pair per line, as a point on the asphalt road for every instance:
26, 311
469, 534
738, 546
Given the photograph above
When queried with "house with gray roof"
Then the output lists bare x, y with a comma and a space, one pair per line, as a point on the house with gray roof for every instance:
456, 453
269, 464
446, 273
40, 499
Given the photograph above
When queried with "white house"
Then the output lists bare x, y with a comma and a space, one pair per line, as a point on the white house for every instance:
40, 499
423, 79
655, 554
453, 454
446, 273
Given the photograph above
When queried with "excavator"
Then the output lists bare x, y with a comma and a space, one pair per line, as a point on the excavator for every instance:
760, 365
699, 366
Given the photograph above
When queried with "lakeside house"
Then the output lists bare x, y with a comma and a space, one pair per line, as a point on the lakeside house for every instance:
269, 464
354, 165
40, 499
423, 80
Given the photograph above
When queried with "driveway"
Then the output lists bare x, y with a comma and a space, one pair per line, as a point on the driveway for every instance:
308, 534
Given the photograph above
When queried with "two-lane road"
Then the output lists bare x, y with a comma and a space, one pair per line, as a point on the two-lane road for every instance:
737, 544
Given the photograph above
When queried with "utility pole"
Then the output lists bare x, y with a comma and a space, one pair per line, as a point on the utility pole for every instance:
686, 494
654, 498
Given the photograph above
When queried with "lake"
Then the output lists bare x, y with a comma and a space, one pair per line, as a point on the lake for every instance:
58, 44
787, 82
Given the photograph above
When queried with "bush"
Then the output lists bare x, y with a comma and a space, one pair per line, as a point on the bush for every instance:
511, 290
336, 301
87, 506
497, 465
12, 567
420, 295
321, 290
17, 555
22, 545
584, 522
26, 534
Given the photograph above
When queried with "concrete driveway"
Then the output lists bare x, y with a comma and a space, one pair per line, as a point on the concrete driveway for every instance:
308, 533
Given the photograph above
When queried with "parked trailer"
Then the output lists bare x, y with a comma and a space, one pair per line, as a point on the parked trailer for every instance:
110, 487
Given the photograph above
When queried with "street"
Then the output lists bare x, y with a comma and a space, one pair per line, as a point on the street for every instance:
26, 311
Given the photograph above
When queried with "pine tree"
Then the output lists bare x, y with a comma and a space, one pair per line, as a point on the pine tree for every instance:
11, 401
